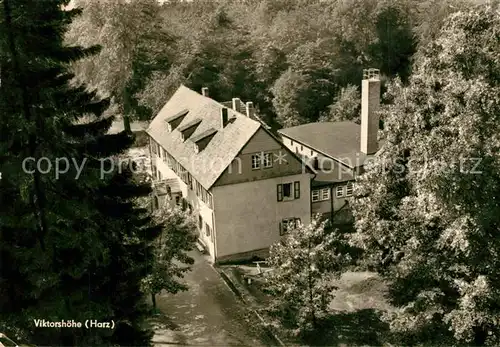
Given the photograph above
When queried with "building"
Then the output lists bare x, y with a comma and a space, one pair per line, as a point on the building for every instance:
245, 187
338, 150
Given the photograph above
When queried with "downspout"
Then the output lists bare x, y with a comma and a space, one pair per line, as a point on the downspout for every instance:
331, 204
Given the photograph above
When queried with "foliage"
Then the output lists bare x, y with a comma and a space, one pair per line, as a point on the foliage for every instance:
73, 246
427, 211
347, 106
245, 49
134, 44
304, 262
171, 260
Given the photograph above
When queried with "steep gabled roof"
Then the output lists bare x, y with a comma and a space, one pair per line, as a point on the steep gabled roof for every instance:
211, 161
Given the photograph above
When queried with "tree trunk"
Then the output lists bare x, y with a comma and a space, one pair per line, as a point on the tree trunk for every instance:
153, 299
126, 124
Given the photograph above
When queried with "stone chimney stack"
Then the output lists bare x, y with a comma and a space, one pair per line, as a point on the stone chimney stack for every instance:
204, 91
370, 103
250, 110
224, 118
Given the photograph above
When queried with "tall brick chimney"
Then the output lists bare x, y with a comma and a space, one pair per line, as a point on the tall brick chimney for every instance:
204, 91
370, 103
250, 110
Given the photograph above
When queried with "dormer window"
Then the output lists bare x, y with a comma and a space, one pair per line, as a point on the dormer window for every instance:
174, 121
189, 128
202, 140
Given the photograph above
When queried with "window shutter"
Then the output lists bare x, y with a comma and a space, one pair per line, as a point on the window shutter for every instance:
296, 189
281, 228
280, 192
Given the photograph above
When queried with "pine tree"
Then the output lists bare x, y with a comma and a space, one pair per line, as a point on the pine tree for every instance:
305, 263
73, 245
428, 211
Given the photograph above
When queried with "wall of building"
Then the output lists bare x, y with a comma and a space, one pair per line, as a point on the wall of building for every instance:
241, 170
247, 215
298, 148
199, 207
325, 205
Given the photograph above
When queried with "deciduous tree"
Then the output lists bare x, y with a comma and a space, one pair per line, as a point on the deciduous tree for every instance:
427, 211
304, 262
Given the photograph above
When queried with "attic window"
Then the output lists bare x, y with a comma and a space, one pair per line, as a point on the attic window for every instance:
176, 119
188, 129
202, 140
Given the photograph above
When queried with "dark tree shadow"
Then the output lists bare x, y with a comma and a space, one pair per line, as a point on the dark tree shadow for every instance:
358, 328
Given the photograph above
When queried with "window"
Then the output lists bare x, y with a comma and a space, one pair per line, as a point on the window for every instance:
165, 155
339, 192
349, 189
315, 195
210, 201
200, 223
267, 160
255, 161
312, 153
153, 171
296, 189
287, 191
177, 200
301, 148
190, 181
207, 230
325, 194
291, 142
288, 225
169, 191
159, 175
297, 150
198, 189
159, 149
153, 146
156, 204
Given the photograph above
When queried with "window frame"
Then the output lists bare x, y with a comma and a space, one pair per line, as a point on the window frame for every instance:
256, 161
323, 195
341, 195
296, 190
267, 158
285, 197
349, 187
315, 192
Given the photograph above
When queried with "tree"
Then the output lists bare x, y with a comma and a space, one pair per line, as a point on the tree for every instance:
427, 211
73, 244
134, 44
304, 263
171, 260
347, 106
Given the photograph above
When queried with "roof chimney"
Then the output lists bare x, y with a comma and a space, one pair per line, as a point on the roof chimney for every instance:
224, 117
204, 91
236, 104
250, 110
370, 102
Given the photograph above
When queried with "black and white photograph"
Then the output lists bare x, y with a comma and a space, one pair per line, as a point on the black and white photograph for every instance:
226, 173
